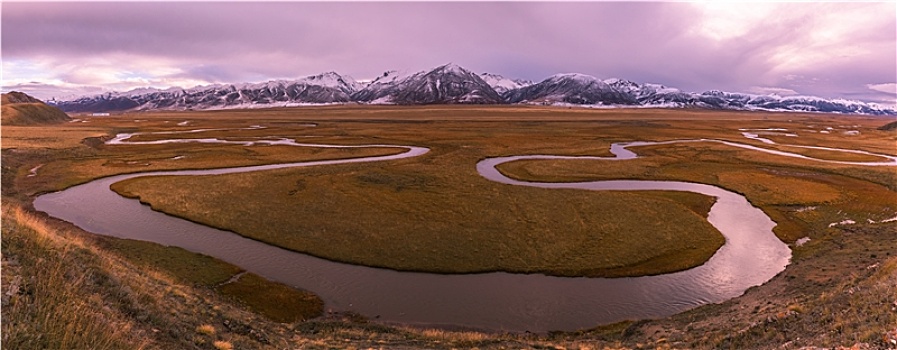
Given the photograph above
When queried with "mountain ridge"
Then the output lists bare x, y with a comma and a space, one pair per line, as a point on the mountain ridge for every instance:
453, 84
447, 84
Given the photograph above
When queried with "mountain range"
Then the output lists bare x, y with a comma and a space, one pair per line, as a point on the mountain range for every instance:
452, 84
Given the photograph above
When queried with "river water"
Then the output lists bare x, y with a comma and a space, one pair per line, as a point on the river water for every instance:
492, 301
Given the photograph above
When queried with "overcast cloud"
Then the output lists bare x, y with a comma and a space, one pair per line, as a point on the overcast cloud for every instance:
845, 50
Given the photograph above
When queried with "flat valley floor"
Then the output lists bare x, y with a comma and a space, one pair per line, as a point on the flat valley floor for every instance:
435, 213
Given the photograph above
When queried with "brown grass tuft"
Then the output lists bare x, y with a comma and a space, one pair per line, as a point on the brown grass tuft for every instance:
223, 345
206, 329
455, 336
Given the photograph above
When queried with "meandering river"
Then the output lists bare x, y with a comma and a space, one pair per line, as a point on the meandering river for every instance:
494, 301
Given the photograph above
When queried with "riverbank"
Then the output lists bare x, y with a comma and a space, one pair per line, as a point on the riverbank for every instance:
810, 304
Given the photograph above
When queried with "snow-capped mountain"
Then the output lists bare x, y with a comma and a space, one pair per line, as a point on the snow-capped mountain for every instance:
452, 84
573, 88
501, 84
316, 89
448, 84
382, 89
803, 103
652, 95
587, 90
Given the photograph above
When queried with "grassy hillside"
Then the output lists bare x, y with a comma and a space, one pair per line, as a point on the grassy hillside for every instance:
21, 109
66, 290
889, 126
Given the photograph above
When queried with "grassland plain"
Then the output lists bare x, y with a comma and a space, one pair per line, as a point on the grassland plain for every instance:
436, 214
809, 304
408, 218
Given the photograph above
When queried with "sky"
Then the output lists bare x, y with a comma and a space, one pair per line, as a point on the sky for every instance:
833, 50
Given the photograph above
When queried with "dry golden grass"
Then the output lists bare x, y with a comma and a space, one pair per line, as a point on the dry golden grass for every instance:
222, 345
867, 298
47, 298
778, 186
410, 217
423, 210
48, 136
832, 155
31, 114
839, 292
442, 334
206, 329
63, 290
79, 163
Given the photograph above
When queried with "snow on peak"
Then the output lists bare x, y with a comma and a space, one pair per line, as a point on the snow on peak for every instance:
452, 68
577, 77
332, 80
612, 81
140, 91
329, 80
271, 84
390, 77
660, 89
448, 83
501, 84
397, 76
451, 83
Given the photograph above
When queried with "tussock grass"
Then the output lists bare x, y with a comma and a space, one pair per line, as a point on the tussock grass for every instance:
840, 294
222, 345
206, 329
457, 336
867, 306
48, 301
62, 290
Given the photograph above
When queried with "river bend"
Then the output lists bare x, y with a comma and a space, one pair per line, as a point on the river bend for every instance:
494, 301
